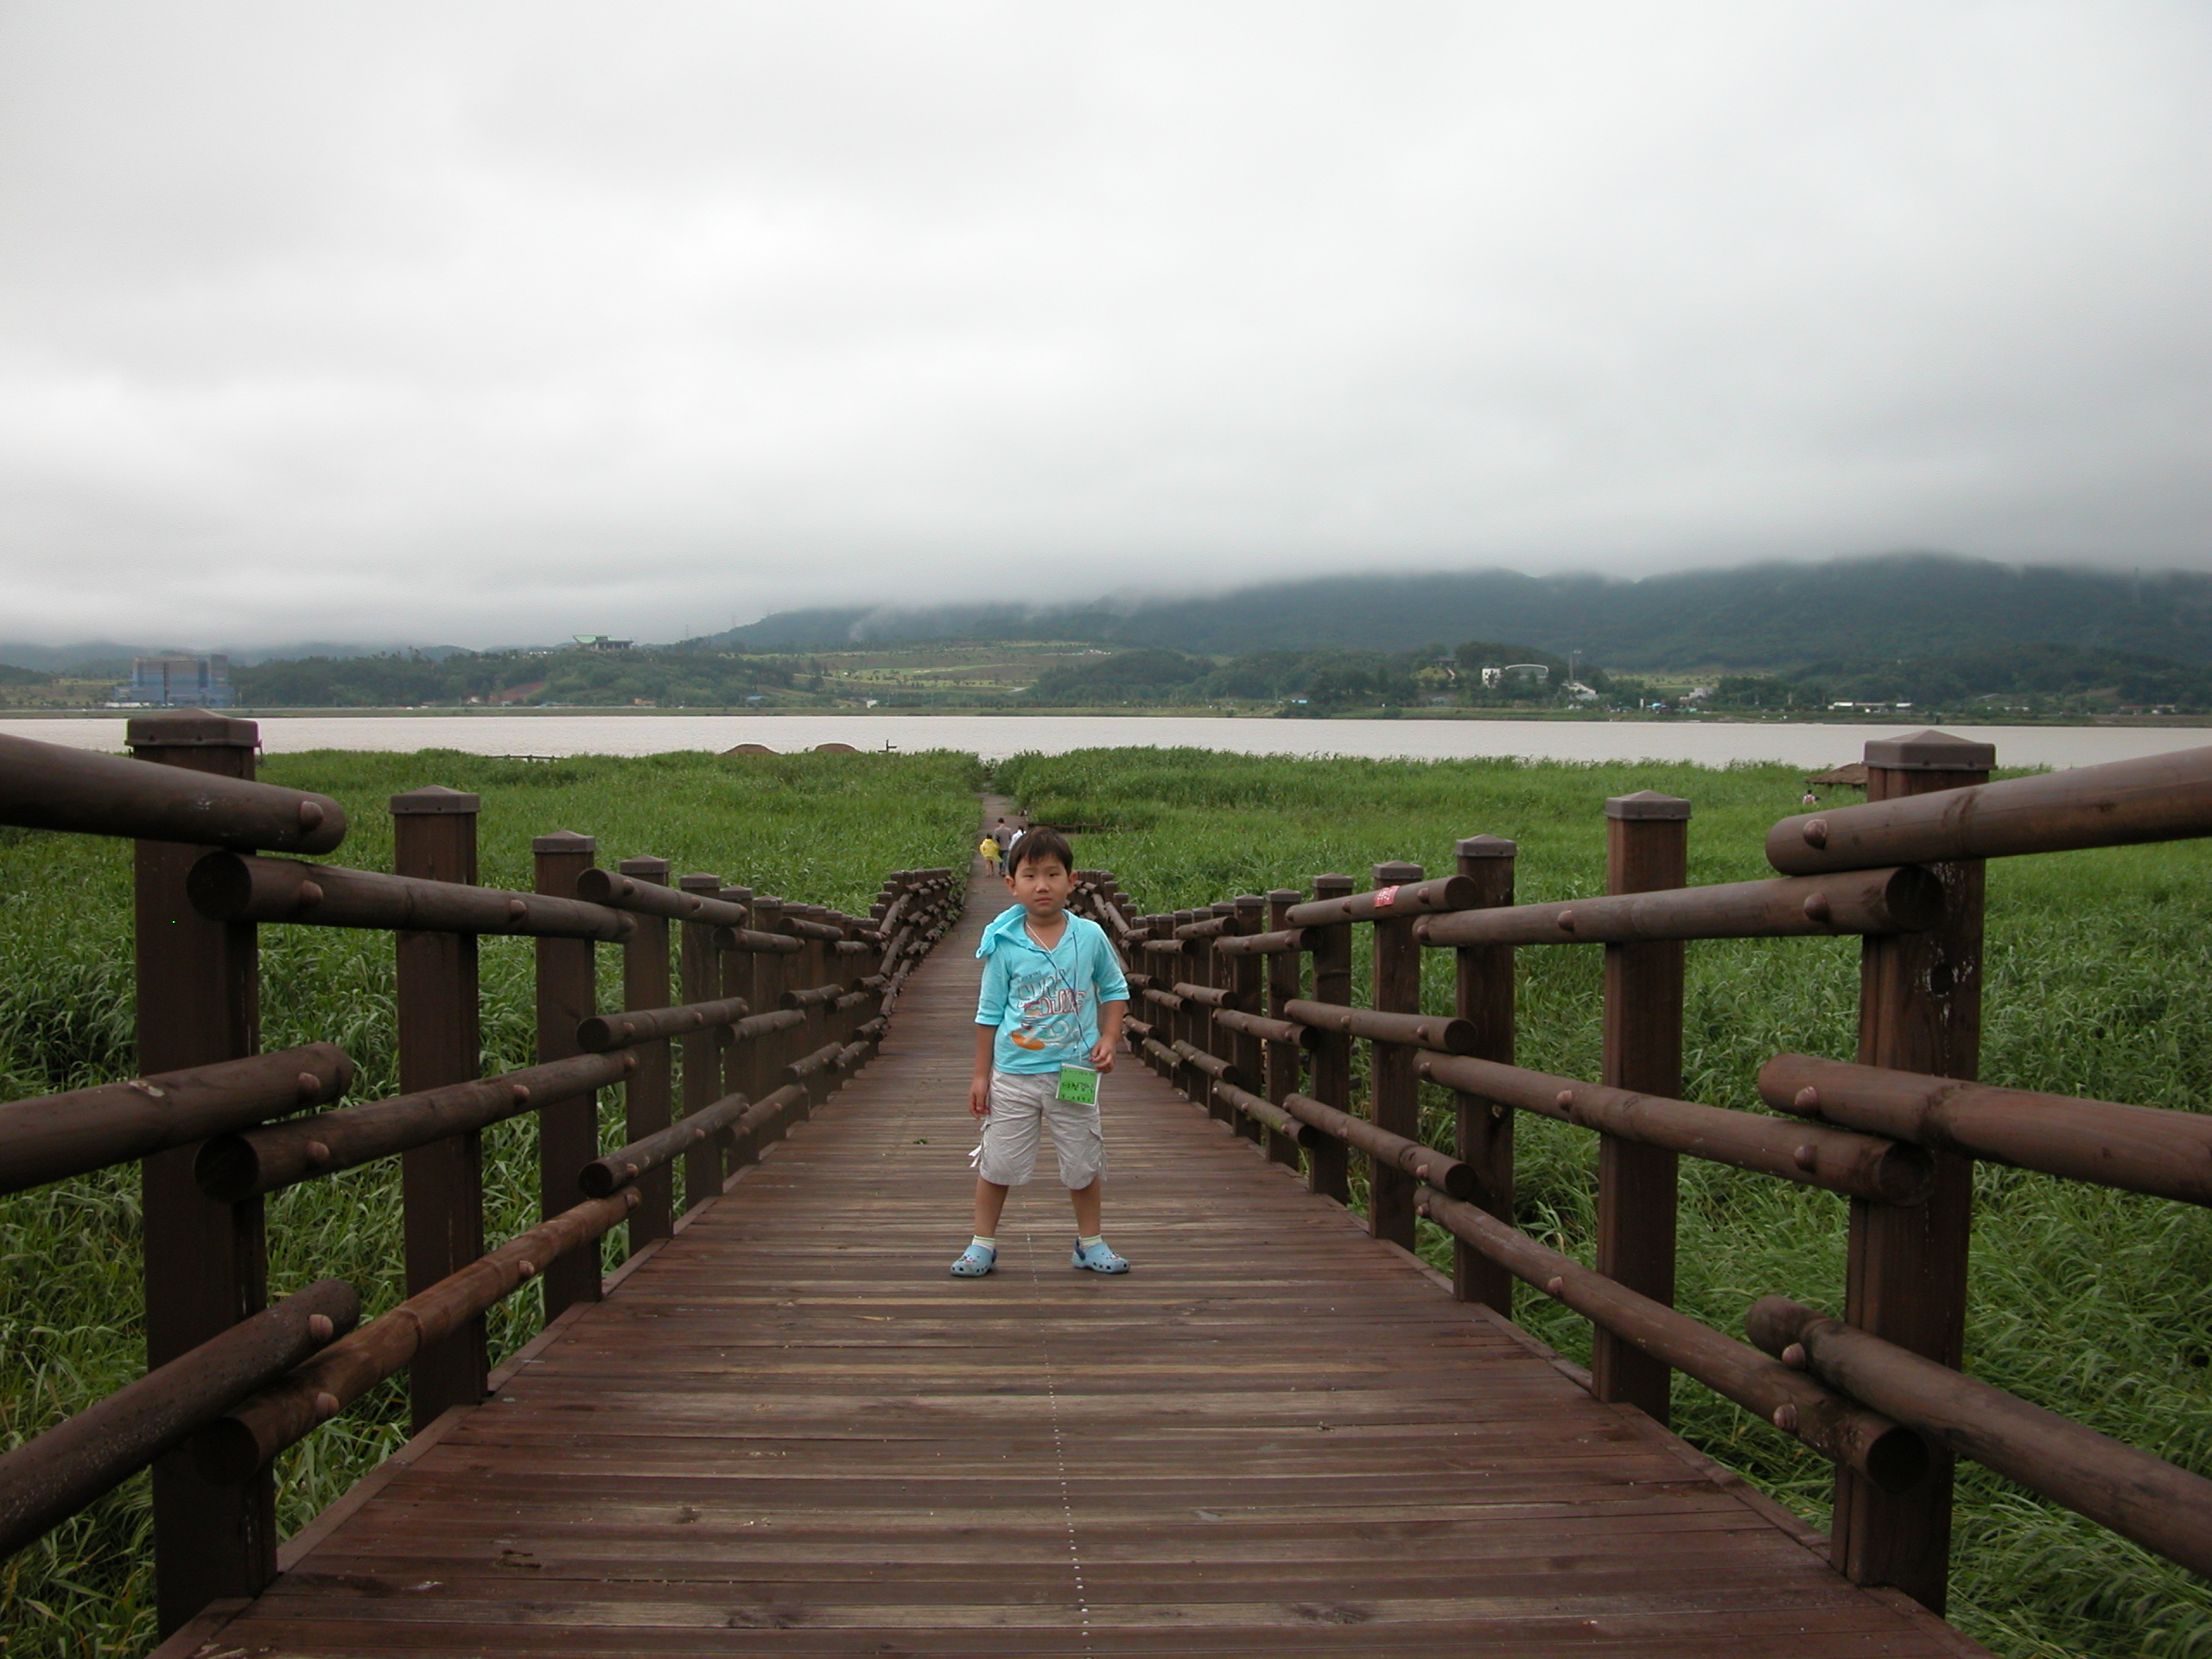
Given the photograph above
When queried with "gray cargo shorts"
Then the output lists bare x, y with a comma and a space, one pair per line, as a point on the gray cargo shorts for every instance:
1020, 1102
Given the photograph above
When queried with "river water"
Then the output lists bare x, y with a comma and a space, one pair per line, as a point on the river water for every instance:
1706, 742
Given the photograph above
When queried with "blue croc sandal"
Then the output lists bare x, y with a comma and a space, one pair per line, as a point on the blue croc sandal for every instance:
974, 1262
1098, 1258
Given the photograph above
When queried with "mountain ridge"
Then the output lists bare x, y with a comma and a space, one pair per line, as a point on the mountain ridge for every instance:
1771, 615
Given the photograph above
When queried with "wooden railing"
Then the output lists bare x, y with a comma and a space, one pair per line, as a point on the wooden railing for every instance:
767, 1004
1248, 1006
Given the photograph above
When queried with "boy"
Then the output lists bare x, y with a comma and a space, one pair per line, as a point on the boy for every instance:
1046, 1026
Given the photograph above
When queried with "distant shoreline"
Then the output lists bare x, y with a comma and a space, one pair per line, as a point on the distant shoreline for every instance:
1564, 716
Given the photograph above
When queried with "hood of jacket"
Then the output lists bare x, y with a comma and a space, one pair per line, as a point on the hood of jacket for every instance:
1007, 926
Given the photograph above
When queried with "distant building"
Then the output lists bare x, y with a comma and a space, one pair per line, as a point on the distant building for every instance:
179, 680
601, 642
1495, 675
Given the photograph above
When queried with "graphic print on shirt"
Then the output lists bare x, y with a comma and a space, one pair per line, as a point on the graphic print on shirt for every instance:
1046, 1007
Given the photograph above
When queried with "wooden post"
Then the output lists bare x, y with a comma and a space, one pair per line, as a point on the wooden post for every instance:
1484, 997
207, 1264
441, 1185
771, 975
814, 961
697, 983
1244, 977
1159, 925
1214, 970
1919, 1010
1646, 847
741, 1061
568, 1130
1396, 1091
646, 1091
1182, 1023
1282, 1059
1327, 1171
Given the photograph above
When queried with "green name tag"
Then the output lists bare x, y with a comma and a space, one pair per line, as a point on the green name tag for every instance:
1078, 1085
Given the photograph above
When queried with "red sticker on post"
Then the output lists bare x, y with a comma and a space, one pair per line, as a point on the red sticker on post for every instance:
1385, 897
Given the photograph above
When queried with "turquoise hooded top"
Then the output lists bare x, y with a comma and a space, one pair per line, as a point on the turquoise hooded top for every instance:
1044, 1003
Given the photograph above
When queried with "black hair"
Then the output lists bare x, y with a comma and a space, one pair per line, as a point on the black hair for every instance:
1041, 843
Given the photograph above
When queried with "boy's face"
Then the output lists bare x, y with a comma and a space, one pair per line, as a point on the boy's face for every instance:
1042, 885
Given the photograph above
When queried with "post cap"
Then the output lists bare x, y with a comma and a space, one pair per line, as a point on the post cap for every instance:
1332, 886
1486, 846
699, 881
650, 868
1397, 873
1646, 803
191, 728
729, 896
1284, 895
1931, 751
435, 797
1246, 903
563, 841
1222, 907
744, 895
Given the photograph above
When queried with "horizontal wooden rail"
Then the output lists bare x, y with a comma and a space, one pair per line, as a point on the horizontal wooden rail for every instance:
241, 888
754, 1026
1262, 1111
239, 1443
1449, 1036
2150, 1149
811, 996
1262, 945
233, 1167
46, 1480
1901, 899
1160, 1051
1211, 1065
1166, 947
603, 1032
1161, 999
2121, 804
1210, 927
1424, 1163
1258, 1024
2140, 1497
745, 938
619, 892
46, 786
605, 1176
51, 1137
1209, 996
806, 928
806, 1066
1840, 1429
1414, 899
1839, 1160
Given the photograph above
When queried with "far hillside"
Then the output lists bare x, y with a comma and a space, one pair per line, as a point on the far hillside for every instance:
1749, 617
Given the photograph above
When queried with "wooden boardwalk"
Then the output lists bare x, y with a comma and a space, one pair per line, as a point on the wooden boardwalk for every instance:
787, 1430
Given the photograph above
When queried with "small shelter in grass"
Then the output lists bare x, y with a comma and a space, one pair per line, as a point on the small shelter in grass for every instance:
835, 748
750, 748
1850, 776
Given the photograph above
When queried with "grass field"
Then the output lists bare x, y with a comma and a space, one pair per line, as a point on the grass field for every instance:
2091, 1303
822, 828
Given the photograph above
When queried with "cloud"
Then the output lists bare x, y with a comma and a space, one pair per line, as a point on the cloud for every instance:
500, 322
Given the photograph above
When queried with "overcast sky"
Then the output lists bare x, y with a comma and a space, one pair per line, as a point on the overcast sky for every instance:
490, 323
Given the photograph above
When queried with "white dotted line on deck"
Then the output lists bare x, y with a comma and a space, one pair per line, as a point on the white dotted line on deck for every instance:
1059, 1447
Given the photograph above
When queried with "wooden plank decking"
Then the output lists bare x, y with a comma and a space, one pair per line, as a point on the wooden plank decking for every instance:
788, 1432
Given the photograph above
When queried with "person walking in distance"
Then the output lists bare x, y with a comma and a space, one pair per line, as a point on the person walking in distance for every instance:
1047, 1021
